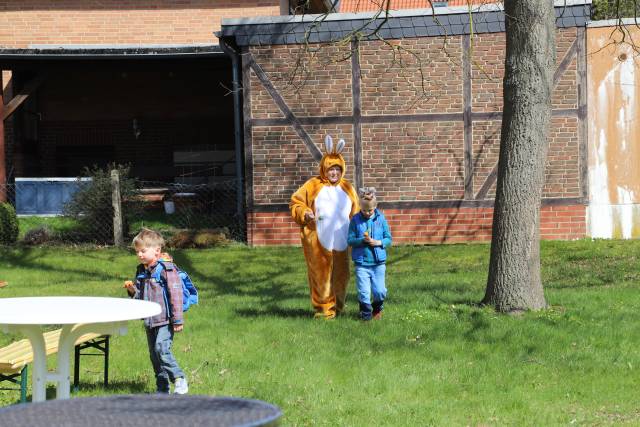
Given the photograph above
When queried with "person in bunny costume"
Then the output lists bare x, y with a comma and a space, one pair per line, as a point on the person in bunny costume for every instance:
323, 207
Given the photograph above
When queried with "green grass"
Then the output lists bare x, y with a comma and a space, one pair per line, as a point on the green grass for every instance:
435, 359
56, 224
62, 226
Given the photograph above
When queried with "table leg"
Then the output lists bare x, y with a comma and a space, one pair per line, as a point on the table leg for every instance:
66, 344
39, 375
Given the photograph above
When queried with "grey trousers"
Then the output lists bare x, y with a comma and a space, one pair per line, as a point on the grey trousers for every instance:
165, 365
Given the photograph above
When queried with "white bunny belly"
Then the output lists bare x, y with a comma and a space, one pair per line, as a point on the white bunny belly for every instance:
333, 207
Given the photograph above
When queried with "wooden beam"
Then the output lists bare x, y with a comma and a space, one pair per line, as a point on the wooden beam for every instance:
310, 121
284, 108
564, 64
357, 113
22, 96
582, 112
468, 124
382, 118
248, 136
434, 204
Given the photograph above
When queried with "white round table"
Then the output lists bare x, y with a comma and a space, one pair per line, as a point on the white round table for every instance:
79, 316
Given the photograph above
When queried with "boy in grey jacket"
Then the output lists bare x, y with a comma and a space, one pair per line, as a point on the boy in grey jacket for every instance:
159, 282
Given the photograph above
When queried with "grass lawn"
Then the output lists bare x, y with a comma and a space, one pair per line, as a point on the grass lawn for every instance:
435, 359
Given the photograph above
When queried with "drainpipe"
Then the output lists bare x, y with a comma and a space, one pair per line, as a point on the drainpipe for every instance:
230, 49
3, 174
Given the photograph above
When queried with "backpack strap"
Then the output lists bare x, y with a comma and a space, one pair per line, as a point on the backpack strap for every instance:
165, 270
173, 289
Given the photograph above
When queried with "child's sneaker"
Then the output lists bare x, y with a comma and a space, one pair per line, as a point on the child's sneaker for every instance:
377, 315
181, 386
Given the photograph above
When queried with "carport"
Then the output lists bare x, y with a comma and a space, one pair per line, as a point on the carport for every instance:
167, 110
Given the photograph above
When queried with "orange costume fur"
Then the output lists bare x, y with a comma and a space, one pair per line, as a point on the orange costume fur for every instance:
324, 239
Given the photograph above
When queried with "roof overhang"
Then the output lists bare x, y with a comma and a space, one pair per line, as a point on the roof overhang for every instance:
10, 57
397, 24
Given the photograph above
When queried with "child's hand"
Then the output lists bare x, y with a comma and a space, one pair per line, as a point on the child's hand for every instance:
309, 216
178, 328
128, 285
371, 242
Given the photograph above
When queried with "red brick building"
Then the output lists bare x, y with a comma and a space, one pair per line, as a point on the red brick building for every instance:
144, 81
432, 153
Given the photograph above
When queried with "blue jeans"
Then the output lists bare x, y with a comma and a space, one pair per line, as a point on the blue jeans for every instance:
165, 366
371, 289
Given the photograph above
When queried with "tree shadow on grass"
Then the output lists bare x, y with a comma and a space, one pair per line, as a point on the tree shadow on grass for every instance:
29, 259
128, 387
269, 286
440, 294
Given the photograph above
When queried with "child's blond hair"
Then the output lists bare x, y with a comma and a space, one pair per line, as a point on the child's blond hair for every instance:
368, 198
148, 238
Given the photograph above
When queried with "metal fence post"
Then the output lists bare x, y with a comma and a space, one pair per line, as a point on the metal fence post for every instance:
117, 208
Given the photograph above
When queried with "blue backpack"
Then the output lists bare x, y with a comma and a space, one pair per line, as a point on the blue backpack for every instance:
189, 291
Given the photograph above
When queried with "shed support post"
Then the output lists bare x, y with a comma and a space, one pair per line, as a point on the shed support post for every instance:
3, 169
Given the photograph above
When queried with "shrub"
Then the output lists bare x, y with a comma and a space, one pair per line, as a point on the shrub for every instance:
92, 205
210, 238
206, 238
37, 236
8, 224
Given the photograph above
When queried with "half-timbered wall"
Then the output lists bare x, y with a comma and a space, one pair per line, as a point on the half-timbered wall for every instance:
429, 145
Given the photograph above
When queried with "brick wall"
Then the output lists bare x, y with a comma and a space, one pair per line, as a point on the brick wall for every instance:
417, 161
25, 22
392, 82
414, 161
420, 226
318, 86
282, 163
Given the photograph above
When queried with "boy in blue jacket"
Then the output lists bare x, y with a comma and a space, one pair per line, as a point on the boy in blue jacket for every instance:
369, 236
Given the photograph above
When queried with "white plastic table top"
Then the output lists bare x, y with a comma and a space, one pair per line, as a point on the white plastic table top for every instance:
78, 315
73, 310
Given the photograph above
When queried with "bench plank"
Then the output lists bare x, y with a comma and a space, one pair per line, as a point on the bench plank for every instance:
18, 354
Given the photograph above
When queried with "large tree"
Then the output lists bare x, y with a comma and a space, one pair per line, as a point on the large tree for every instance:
514, 269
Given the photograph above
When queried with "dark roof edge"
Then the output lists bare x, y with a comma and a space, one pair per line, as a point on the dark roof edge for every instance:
399, 24
401, 13
110, 51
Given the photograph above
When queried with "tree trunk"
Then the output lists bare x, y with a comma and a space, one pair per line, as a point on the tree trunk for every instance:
514, 269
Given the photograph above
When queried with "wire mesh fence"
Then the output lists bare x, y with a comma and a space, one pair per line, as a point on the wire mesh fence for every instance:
77, 212
190, 215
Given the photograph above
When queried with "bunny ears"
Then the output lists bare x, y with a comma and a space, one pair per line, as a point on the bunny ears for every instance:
330, 149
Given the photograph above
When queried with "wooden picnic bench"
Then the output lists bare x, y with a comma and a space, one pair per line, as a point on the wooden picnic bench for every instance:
15, 358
